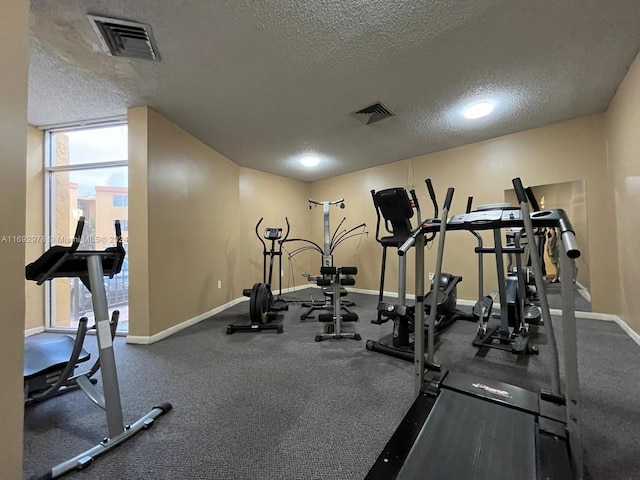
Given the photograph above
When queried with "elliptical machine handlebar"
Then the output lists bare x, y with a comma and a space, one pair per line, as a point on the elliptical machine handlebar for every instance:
434, 201
419, 230
286, 235
469, 204
449, 198
264, 245
432, 194
416, 205
410, 242
77, 236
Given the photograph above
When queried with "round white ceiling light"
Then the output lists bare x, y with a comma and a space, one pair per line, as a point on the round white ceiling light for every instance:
310, 161
478, 110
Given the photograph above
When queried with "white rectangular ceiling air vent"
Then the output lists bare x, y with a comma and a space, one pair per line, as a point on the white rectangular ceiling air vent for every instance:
373, 113
125, 39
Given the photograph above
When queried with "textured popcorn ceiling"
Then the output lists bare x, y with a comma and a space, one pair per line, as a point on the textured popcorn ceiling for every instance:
263, 82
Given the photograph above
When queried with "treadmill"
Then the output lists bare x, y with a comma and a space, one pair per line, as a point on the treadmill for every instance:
464, 427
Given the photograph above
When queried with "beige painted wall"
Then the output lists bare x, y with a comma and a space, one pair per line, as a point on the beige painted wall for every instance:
192, 210
139, 320
34, 305
363, 251
623, 146
558, 153
273, 198
192, 215
14, 31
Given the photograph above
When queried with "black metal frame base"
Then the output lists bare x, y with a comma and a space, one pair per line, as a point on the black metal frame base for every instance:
254, 327
496, 337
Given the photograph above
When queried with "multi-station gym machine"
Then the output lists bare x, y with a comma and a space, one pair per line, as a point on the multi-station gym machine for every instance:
331, 279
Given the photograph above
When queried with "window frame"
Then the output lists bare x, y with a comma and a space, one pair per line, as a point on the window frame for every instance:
49, 171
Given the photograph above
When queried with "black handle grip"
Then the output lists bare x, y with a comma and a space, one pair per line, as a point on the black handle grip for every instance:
520, 193
449, 198
432, 194
415, 199
535, 206
469, 203
118, 229
77, 237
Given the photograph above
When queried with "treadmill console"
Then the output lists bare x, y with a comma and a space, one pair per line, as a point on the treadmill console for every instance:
486, 216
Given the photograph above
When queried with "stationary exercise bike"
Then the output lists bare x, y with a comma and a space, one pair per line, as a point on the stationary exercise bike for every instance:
263, 307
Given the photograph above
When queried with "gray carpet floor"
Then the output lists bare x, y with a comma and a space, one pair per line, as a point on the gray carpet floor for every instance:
269, 406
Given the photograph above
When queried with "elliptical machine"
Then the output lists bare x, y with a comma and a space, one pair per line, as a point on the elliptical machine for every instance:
394, 205
512, 332
263, 307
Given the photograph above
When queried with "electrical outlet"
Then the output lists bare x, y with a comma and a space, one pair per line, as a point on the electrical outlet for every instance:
431, 274
219, 283
282, 273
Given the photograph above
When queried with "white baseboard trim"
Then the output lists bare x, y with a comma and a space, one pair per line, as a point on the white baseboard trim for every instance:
623, 325
33, 331
148, 340
409, 296
586, 315
144, 340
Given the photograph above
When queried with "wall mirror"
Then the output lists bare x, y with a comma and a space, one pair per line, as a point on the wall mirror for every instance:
571, 197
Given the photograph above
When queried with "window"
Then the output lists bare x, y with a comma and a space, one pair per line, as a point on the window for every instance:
120, 201
124, 225
87, 175
82, 146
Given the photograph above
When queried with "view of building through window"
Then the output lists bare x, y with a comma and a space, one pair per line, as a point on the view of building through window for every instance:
88, 177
